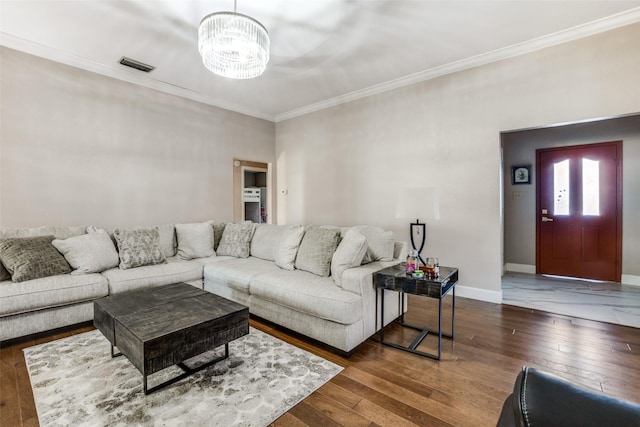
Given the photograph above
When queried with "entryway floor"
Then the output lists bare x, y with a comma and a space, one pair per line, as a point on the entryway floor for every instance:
601, 301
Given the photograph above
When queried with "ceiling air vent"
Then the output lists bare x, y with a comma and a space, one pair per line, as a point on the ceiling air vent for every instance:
136, 64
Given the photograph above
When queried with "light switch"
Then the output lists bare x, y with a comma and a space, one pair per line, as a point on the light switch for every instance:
515, 195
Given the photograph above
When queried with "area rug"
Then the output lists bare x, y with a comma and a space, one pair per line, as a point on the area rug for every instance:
76, 382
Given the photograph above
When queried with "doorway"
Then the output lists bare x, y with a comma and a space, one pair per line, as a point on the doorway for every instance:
579, 211
252, 191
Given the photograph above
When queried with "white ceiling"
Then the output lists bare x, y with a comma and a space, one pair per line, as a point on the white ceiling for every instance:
323, 52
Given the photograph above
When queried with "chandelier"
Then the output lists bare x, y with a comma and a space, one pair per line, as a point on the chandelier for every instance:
233, 45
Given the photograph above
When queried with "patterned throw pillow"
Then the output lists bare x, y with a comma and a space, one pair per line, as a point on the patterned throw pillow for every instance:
138, 247
236, 240
27, 258
316, 250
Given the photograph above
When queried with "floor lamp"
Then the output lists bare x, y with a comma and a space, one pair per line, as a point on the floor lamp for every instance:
418, 203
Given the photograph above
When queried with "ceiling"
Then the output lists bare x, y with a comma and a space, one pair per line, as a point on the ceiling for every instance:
323, 52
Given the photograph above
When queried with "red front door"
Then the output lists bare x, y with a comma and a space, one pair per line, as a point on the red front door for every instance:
579, 218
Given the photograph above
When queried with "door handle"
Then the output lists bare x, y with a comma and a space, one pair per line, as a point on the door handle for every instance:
545, 219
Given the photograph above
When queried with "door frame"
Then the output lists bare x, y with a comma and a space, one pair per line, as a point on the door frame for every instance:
239, 166
618, 145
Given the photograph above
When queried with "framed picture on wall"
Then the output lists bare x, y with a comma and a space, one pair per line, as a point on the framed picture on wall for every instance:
521, 174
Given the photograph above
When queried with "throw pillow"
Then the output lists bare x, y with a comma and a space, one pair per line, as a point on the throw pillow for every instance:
218, 229
349, 254
27, 258
4, 274
287, 248
89, 253
166, 237
236, 240
380, 243
138, 247
316, 250
265, 240
195, 240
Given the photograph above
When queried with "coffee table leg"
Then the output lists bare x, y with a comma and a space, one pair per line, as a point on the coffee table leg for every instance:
113, 353
187, 371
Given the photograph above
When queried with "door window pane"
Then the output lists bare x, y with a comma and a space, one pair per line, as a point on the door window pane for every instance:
590, 187
561, 188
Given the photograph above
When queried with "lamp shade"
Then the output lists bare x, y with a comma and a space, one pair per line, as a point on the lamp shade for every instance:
417, 203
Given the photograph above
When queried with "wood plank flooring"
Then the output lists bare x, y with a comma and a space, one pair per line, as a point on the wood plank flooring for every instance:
382, 386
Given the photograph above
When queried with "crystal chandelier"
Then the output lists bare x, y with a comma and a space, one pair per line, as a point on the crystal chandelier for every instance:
233, 45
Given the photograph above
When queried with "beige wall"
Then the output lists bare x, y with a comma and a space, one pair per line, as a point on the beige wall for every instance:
81, 148
343, 165
519, 213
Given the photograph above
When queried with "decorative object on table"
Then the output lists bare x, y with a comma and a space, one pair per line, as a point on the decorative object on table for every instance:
521, 174
418, 274
432, 268
233, 45
76, 383
412, 261
418, 203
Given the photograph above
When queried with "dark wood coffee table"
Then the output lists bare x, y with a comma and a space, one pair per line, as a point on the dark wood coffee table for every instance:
156, 328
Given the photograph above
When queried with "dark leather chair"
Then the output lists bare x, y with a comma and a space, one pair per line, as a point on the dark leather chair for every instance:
545, 400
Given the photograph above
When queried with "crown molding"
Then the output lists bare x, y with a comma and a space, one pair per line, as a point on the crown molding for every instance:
119, 73
605, 24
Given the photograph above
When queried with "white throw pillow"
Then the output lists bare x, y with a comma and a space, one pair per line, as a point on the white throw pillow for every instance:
380, 243
287, 247
89, 253
264, 242
349, 254
195, 240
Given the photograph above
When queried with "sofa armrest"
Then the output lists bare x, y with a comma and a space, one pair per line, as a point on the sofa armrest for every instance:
360, 279
543, 399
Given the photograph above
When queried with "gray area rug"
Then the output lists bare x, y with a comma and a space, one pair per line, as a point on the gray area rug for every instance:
76, 382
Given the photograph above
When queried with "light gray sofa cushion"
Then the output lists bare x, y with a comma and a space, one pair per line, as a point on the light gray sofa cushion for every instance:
380, 243
138, 247
89, 253
349, 254
27, 258
236, 240
49, 292
174, 271
308, 293
265, 240
238, 272
316, 250
195, 240
287, 248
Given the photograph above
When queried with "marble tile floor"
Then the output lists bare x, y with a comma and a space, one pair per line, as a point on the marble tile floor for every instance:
601, 301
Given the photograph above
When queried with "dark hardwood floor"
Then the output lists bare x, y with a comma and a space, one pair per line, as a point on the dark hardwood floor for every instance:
384, 386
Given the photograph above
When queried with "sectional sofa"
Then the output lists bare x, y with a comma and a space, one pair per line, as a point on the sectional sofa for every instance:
313, 280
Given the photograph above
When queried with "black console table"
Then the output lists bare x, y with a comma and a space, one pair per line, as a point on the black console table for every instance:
396, 279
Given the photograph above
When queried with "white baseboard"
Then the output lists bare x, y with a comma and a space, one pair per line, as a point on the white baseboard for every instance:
630, 279
520, 268
479, 294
